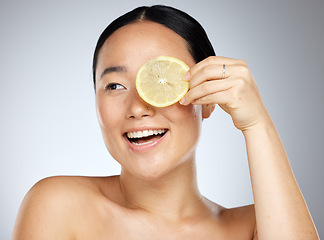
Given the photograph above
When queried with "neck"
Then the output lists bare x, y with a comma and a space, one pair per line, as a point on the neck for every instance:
174, 195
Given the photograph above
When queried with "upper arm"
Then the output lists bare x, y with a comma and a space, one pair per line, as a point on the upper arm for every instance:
44, 212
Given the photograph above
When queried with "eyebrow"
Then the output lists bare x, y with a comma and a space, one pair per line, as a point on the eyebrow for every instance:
113, 69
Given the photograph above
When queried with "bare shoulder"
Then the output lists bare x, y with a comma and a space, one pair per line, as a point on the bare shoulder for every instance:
242, 219
235, 223
51, 208
243, 213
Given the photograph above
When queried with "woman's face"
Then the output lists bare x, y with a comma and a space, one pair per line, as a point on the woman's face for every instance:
122, 113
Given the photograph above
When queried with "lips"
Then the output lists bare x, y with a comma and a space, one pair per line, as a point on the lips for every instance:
145, 139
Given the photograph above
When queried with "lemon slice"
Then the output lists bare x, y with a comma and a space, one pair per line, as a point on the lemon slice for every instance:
160, 83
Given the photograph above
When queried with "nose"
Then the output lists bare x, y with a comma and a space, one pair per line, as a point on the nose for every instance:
138, 108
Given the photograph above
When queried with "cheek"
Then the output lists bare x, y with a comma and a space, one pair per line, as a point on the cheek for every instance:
187, 121
107, 113
192, 119
191, 114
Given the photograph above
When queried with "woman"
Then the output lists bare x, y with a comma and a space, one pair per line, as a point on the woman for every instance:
156, 194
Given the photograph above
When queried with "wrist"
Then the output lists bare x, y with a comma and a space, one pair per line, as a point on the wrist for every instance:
260, 127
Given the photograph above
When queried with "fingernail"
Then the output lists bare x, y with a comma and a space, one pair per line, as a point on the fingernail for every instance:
182, 101
186, 76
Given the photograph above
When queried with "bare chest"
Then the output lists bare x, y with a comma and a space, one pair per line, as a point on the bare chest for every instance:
128, 227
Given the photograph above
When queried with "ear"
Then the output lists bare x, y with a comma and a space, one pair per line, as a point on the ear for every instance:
207, 110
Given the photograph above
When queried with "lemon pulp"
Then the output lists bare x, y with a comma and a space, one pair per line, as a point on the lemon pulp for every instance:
159, 81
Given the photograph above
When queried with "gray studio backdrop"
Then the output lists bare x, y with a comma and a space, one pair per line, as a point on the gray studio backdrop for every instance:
48, 124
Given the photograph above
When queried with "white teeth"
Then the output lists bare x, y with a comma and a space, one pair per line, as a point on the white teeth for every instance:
142, 143
145, 133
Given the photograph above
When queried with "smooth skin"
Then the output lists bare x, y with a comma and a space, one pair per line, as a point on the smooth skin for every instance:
156, 195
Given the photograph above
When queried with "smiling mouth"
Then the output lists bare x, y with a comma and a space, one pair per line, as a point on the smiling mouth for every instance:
145, 137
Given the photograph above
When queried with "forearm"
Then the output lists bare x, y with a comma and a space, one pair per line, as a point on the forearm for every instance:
281, 212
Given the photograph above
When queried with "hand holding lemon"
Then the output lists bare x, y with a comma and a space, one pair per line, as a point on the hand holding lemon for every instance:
160, 82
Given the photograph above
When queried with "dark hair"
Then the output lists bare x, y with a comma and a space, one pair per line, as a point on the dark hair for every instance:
180, 22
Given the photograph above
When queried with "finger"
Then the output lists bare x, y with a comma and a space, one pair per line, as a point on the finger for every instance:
220, 98
206, 88
211, 72
213, 60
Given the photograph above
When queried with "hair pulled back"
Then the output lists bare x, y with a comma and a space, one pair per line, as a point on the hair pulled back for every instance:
180, 22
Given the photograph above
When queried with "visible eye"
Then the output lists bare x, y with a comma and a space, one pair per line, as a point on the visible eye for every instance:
114, 86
